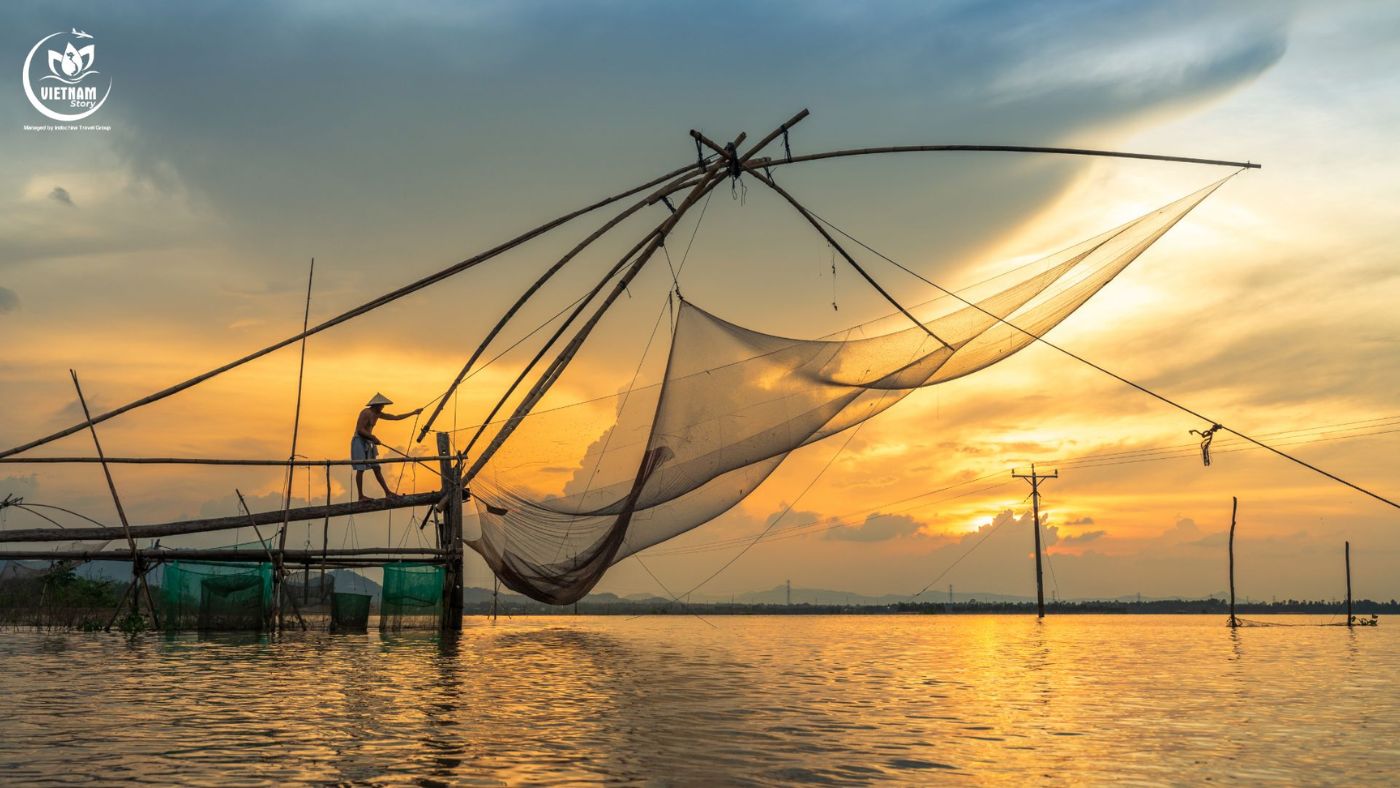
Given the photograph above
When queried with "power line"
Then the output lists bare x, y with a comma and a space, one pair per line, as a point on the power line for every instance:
1114, 375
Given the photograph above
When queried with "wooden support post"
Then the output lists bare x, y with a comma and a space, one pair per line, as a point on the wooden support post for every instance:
325, 531
138, 574
1350, 619
1234, 509
450, 538
1035, 479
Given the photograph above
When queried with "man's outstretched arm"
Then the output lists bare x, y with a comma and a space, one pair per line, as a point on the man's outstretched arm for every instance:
400, 417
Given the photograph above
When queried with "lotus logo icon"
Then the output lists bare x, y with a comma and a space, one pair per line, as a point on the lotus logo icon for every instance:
65, 93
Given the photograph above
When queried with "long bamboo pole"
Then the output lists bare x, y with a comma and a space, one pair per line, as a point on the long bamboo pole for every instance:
219, 554
836, 154
349, 314
549, 344
420, 459
674, 185
179, 527
137, 570
638, 255
281, 572
713, 174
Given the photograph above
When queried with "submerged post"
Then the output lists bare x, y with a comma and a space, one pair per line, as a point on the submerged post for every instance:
1350, 619
450, 537
1035, 479
1234, 509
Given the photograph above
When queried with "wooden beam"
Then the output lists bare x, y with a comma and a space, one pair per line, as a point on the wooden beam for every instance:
213, 461
180, 527
387, 554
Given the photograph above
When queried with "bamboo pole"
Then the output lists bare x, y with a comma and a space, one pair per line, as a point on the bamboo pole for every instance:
1234, 509
712, 176
674, 185
548, 344
638, 256
137, 569
420, 459
325, 531
349, 314
281, 571
231, 555
180, 527
836, 154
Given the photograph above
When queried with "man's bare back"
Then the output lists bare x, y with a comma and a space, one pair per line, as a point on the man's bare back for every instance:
364, 443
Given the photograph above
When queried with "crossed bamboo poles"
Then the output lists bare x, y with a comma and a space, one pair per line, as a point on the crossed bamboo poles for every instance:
696, 180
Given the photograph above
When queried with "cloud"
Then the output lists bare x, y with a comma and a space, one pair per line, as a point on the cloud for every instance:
1085, 520
877, 527
1087, 536
9, 300
61, 195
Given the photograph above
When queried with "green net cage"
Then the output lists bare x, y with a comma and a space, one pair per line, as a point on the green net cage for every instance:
412, 596
349, 612
213, 596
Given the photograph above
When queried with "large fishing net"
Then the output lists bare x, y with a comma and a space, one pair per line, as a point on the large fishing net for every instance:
561, 502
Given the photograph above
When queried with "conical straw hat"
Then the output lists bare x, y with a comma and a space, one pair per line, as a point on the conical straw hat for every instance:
380, 399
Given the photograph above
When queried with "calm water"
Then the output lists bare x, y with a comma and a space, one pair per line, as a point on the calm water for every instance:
773, 700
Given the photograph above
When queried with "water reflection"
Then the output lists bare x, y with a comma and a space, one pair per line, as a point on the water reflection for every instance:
758, 700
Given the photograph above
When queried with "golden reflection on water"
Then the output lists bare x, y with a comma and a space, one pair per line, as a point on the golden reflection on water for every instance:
775, 700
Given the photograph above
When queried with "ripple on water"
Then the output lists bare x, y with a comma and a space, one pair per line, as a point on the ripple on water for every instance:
759, 700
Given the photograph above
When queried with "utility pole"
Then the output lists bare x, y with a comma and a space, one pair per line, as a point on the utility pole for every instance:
1035, 479
950, 593
1350, 619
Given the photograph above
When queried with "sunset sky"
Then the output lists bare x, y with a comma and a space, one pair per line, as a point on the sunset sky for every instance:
246, 139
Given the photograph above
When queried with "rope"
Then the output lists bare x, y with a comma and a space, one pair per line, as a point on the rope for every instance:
1113, 375
774, 521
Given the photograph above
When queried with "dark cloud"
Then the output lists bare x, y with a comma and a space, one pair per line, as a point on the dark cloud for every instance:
405, 124
1083, 538
9, 300
61, 195
1085, 520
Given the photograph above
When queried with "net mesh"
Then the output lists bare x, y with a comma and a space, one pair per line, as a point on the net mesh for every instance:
349, 612
212, 596
558, 507
412, 596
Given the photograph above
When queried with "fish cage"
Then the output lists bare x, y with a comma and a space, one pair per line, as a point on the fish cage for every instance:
212, 596
412, 596
350, 612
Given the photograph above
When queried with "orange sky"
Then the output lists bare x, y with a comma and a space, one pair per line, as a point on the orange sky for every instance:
1271, 307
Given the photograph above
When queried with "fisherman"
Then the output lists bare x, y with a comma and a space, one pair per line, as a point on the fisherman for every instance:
365, 446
